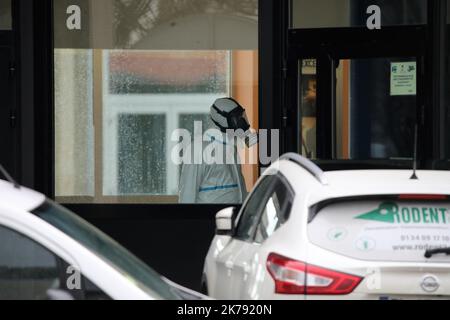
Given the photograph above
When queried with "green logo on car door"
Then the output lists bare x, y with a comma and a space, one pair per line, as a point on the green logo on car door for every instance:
391, 212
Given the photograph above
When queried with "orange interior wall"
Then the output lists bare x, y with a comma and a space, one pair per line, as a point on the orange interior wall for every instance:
245, 90
346, 110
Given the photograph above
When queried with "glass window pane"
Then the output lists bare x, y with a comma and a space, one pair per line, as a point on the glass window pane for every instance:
74, 123
159, 25
142, 165
187, 121
248, 221
375, 108
27, 270
275, 213
5, 15
128, 74
353, 13
156, 72
383, 96
308, 106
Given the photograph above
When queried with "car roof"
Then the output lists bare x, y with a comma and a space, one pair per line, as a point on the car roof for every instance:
354, 183
19, 198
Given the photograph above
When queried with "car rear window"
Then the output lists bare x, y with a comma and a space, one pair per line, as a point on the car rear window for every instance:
382, 230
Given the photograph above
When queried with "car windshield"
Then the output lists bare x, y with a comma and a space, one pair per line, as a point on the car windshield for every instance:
106, 248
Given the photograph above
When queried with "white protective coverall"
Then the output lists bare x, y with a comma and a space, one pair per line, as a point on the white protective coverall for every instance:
213, 183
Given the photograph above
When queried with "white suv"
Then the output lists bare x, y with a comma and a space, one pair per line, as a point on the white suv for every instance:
47, 252
308, 234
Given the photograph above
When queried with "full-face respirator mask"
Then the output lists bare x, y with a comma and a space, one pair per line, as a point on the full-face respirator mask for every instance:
228, 114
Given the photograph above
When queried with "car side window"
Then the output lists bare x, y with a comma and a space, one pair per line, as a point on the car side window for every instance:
28, 271
276, 210
252, 211
87, 290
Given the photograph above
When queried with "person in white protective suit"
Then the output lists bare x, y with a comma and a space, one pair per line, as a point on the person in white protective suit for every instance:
220, 181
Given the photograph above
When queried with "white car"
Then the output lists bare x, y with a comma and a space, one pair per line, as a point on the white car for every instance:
49, 253
307, 234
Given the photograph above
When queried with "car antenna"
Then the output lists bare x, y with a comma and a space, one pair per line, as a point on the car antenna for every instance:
416, 142
8, 177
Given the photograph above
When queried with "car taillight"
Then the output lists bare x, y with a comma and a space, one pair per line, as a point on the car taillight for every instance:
295, 277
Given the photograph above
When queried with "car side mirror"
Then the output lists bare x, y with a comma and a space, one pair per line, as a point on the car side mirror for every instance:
225, 222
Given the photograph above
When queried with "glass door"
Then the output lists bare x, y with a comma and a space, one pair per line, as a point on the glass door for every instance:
355, 95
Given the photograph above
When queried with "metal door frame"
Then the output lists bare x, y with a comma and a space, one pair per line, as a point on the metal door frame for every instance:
346, 43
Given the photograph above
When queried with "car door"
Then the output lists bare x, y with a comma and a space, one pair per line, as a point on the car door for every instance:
247, 222
262, 215
273, 212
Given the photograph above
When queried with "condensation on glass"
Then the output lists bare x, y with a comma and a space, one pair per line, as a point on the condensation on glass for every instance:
5, 15
353, 13
134, 73
74, 123
148, 95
